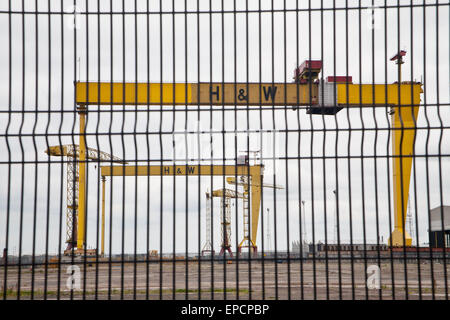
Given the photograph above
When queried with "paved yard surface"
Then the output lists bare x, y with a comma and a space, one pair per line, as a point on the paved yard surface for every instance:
243, 280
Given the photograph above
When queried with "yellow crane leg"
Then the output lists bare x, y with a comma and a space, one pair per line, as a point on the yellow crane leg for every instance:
403, 133
405, 103
81, 222
256, 202
103, 216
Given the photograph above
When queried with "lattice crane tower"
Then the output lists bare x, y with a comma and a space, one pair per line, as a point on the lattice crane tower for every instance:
72, 152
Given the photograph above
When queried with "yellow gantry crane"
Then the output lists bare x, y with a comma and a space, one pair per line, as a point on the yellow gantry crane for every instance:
247, 241
73, 154
321, 97
255, 172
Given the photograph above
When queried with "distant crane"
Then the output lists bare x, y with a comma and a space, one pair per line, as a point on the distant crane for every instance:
208, 247
225, 196
225, 216
72, 152
269, 238
410, 221
303, 222
247, 242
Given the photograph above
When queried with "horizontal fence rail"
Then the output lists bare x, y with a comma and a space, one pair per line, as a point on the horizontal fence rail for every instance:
224, 150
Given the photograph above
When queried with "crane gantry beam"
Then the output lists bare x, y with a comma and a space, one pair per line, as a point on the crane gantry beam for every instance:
217, 93
106, 93
321, 98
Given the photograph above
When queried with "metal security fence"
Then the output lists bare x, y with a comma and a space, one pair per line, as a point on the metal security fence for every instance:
194, 149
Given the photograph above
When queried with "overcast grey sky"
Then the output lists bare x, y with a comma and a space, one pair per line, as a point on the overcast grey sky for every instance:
37, 68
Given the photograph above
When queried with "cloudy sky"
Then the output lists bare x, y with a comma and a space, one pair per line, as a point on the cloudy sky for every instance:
310, 156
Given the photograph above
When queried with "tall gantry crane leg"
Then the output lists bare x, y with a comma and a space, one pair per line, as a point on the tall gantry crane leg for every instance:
81, 230
103, 216
248, 241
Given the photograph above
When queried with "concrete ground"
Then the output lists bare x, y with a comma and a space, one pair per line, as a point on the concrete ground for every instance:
243, 280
